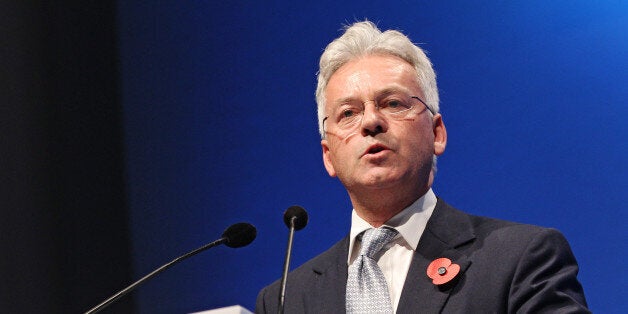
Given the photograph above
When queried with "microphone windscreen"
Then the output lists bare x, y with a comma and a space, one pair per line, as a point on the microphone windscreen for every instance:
299, 213
239, 235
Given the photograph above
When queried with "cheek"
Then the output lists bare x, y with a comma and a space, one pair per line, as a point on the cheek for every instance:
418, 145
341, 149
339, 157
342, 158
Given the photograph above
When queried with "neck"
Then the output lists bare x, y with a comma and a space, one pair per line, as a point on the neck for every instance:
377, 207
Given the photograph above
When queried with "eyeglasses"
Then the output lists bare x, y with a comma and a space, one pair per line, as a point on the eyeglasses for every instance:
349, 114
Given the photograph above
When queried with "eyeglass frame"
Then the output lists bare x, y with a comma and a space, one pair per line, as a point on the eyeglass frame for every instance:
377, 107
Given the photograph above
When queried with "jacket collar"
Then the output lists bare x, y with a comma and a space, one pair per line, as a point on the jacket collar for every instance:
446, 231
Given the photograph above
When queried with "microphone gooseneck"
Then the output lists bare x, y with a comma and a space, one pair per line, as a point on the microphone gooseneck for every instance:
237, 235
295, 219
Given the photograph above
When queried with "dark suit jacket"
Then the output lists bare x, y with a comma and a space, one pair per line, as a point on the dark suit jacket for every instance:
505, 268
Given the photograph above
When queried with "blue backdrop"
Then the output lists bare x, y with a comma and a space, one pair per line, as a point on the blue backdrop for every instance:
220, 127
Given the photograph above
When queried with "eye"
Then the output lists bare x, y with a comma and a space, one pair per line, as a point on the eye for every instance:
348, 113
394, 105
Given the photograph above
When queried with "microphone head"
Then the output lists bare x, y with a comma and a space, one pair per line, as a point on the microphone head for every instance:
239, 235
299, 213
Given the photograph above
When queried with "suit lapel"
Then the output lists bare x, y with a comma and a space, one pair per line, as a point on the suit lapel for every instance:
445, 232
328, 296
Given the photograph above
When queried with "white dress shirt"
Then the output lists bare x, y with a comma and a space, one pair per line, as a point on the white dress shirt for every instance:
395, 261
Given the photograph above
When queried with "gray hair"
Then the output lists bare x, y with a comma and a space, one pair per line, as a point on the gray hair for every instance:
362, 39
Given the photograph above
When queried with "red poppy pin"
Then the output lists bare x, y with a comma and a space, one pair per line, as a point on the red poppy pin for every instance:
442, 270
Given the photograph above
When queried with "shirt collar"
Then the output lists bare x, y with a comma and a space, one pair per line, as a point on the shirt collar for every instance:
410, 222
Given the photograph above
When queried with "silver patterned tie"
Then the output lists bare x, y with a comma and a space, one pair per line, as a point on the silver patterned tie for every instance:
367, 291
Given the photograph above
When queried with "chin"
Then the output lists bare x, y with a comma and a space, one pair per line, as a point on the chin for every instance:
381, 181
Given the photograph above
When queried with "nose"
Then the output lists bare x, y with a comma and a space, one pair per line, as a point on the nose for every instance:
373, 122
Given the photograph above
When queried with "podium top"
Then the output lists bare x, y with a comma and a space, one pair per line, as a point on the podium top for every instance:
234, 309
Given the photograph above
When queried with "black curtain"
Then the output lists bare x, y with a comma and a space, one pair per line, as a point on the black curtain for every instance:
64, 230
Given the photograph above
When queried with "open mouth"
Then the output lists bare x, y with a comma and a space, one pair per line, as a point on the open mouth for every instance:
375, 149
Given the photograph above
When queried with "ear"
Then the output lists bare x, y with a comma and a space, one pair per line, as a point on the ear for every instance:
327, 158
440, 135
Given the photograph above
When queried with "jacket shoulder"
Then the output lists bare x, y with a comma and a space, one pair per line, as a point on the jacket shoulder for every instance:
302, 280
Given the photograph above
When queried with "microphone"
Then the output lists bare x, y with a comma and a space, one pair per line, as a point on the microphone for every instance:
295, 214
237, 235
295, 218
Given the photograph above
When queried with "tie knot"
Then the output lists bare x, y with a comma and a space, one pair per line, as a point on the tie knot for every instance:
375, 239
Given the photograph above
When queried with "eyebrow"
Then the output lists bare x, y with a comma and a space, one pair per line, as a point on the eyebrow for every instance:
396, 88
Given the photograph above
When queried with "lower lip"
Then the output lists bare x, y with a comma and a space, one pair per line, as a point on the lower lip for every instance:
379, 154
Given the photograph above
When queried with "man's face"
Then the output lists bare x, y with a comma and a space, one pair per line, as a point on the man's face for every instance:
380, 152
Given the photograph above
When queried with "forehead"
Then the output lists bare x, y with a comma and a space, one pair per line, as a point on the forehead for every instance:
365, 77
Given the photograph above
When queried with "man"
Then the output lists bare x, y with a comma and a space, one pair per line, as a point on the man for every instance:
408, 251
